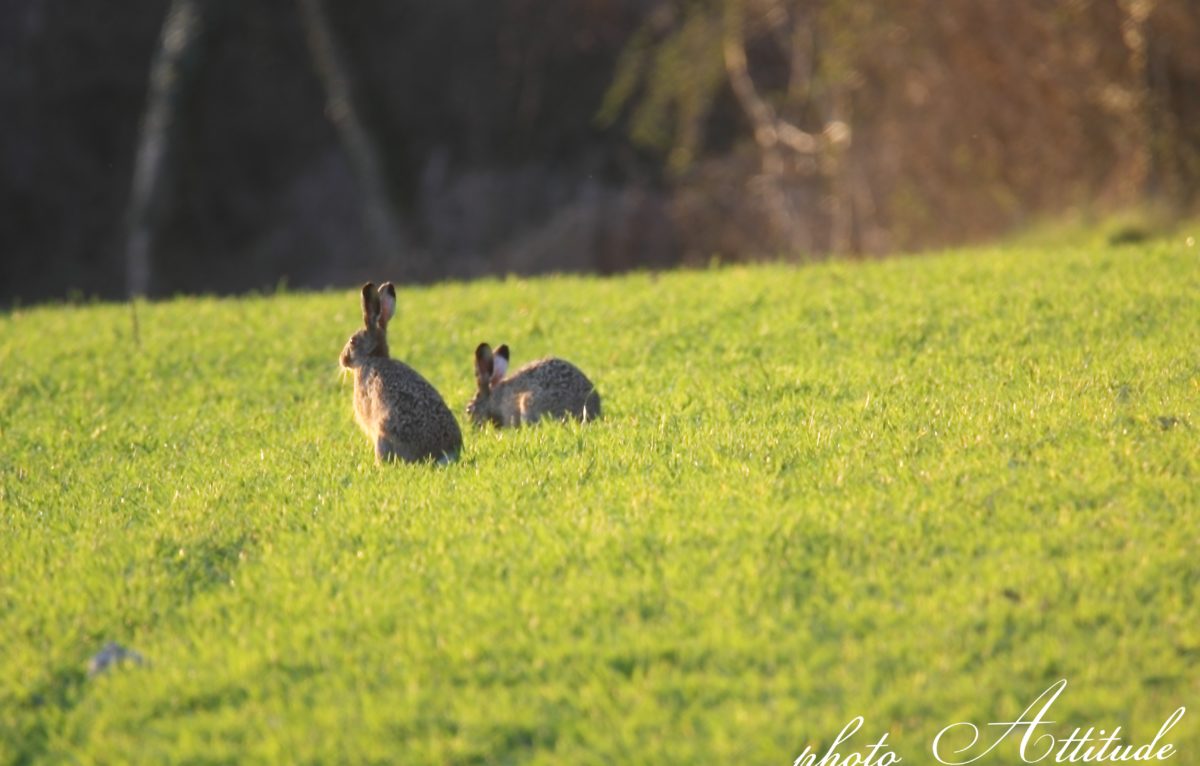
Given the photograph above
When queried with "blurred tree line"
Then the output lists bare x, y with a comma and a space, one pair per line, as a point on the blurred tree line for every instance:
160, 146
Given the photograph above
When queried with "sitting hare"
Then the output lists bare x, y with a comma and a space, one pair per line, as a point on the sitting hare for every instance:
402, 414
548, 387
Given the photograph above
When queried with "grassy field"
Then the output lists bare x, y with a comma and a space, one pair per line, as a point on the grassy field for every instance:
919, 490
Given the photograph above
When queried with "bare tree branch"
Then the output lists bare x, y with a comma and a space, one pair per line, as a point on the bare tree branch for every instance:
775, 135
769, 128
383, 228
168, 81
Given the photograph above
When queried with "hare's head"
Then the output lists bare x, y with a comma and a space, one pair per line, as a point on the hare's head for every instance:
378, 306
490, 369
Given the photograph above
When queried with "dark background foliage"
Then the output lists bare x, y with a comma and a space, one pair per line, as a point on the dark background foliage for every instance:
581, 135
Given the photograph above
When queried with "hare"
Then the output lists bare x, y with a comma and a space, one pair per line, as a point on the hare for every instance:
400, 412
548, 387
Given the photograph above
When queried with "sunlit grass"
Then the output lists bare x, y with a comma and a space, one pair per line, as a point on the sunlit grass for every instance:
918, 490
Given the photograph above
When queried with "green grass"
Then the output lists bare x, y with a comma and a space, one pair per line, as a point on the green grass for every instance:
918, 490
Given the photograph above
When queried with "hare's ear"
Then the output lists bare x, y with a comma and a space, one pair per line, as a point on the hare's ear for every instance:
387, 303
499, 364
483, 365
370, 304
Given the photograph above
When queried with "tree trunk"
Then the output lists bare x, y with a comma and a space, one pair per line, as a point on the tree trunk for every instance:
779, 141
382, 225
170, 75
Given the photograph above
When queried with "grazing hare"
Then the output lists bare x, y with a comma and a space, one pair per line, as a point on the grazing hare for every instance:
401, 413
548, 387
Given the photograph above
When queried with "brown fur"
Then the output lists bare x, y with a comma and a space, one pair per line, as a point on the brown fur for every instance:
549, 387
400, 412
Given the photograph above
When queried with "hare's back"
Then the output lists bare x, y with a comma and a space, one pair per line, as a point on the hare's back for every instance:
551, 372
560, 388
403, 384
412, 403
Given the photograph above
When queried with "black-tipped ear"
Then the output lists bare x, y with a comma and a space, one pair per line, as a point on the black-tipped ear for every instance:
387, 303
503, 351
483, 364
370, 304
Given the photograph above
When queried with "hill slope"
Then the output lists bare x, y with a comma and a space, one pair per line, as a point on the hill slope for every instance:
919, 491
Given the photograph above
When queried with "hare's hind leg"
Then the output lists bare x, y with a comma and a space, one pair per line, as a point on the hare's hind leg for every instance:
591, 406
385, 451
389, 451
527, 414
